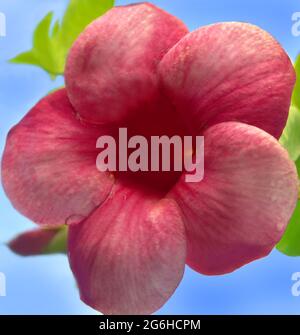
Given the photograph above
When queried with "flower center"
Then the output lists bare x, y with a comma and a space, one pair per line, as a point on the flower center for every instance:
156, 120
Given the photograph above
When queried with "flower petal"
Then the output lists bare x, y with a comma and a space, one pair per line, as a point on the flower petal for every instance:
49, 164
229, 72
129, 255
111, 68
240, 210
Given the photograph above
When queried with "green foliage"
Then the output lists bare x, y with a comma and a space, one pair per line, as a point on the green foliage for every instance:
51, 42
290, 139
290, 243
298, 166
46, 52
296, 93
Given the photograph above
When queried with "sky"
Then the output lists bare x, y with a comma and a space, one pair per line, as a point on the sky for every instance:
44, 284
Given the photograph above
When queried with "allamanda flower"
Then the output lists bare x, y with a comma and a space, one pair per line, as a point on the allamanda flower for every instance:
131, 234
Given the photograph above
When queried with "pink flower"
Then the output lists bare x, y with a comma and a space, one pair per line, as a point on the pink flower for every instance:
131, 234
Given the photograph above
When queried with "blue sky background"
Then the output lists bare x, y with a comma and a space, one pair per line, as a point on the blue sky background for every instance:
44, 285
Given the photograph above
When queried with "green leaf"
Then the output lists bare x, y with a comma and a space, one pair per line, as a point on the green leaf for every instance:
298, 166
51, 42
25, 57
46, 51
296, 93
290, 138
290, 243
59, 242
